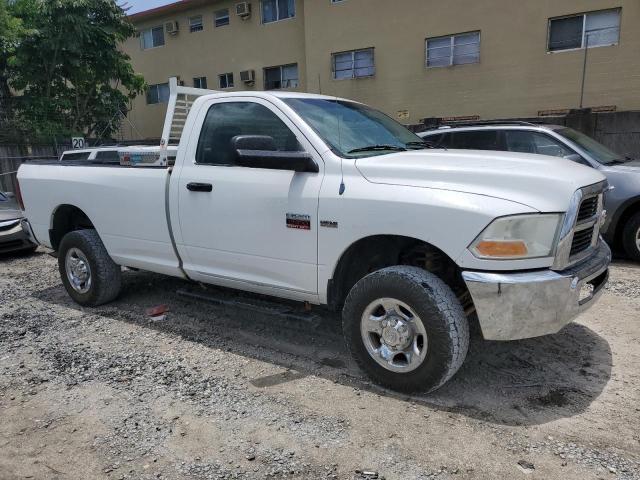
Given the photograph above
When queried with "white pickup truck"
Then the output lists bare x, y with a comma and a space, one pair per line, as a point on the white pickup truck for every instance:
328, 201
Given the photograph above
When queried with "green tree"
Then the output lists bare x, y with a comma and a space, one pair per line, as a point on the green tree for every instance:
68, 69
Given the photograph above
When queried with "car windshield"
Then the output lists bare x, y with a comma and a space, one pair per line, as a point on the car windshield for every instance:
595, 149
353, 130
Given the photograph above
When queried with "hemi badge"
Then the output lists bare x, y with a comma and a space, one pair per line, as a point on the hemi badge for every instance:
328, 224
298, 221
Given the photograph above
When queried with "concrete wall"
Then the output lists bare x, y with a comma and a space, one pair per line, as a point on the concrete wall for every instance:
516, 75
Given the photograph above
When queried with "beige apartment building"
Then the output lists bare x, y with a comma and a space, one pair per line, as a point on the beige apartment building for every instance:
413, 59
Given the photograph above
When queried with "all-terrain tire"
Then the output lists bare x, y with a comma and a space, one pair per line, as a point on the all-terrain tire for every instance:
630, 236
440, 312
106, 276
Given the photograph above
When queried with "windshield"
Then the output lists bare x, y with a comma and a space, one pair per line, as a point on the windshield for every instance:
595, 149
353, 130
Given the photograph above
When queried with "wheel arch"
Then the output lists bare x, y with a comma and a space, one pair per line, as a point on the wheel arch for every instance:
64, 219
375, 252
624, 213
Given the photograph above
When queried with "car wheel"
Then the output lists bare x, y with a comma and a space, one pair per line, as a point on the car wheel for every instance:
88, 273
631, 237
406, 329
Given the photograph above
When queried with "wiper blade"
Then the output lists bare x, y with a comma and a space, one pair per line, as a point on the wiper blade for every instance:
378, 148
422, 144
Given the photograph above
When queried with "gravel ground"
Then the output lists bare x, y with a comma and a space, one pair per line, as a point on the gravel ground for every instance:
214, 392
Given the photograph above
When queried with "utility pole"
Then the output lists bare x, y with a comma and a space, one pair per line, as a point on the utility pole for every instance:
584, 68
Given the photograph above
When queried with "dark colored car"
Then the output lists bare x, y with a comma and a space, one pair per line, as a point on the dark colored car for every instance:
13, 237
622, 201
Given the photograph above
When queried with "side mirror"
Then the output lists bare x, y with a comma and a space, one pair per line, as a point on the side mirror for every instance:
9, 194
260, 151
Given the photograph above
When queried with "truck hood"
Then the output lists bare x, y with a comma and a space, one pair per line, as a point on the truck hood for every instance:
543, 183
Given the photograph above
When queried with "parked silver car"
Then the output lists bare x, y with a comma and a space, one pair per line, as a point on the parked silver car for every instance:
622, 201
13, 237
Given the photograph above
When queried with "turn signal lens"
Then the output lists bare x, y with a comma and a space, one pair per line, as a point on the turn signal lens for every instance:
530, 235
488, 248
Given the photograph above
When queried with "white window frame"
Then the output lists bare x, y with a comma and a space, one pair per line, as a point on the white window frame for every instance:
278, 19
216, 18
584, 30
191, 25
199, 79
151, 29
451, 49
281, 67
353, 63
226, 77
157, 86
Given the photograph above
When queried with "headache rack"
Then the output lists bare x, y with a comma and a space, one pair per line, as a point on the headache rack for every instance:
180, 102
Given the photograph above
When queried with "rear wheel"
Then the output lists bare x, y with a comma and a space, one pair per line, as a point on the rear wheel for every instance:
406, 328
88, 273
631, 237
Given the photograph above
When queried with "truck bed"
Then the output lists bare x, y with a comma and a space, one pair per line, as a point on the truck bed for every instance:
139, 194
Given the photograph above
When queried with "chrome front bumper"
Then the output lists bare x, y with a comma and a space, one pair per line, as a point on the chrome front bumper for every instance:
513, 306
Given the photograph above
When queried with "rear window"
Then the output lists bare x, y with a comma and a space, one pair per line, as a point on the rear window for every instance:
75, 156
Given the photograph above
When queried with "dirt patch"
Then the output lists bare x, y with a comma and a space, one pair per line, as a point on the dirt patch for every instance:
211, 392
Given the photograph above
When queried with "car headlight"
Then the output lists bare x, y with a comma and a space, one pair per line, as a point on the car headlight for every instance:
518, 236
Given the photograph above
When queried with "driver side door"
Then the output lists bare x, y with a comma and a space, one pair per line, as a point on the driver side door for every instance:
249, 228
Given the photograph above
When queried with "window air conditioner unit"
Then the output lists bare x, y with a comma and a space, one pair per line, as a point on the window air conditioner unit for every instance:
243, 9
172, 28
248, 76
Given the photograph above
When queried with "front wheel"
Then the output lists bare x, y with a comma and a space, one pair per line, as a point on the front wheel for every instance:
631, 237
88, 273
406, 328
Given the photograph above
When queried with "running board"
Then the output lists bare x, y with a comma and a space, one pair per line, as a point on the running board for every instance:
290, 311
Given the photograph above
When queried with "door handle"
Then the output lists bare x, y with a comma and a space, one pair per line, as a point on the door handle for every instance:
199, 187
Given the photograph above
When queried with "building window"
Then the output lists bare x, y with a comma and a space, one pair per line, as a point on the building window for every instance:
225, 80
337, 1
200, 82
152, 37
285, 76
195, 24
158, 93
459, 49
353, 64
274, 10
593, 29
221, 18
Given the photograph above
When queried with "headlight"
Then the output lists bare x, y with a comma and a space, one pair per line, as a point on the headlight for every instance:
518, 236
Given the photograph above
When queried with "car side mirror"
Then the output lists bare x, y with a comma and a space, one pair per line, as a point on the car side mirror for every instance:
260, 151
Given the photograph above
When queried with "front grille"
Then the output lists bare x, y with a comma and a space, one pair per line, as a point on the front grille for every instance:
581, 240
588, 208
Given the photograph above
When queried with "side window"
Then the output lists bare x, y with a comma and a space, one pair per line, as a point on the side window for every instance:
108, 156
76, 156
227, 120
534, 142
476, 140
